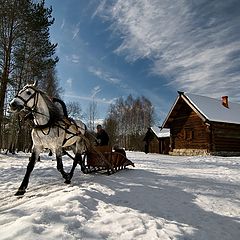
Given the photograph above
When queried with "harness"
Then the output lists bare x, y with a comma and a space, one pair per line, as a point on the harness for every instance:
67, 123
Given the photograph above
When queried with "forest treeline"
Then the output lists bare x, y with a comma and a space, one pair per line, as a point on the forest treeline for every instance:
27, 55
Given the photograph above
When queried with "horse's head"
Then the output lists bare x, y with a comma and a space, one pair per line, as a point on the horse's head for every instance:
26, 98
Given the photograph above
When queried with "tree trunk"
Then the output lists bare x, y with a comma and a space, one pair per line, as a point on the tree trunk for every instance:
5, 74
3, 90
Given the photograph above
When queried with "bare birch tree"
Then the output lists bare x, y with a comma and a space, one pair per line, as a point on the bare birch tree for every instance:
128, 121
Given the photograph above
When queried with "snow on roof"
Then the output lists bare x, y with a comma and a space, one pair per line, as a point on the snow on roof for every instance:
161, 133
213, 110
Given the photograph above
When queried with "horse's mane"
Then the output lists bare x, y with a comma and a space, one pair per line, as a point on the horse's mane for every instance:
55, 113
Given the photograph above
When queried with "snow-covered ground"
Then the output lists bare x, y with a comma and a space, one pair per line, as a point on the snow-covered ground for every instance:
163, 197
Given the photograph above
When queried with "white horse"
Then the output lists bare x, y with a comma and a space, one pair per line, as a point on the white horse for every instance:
52, 129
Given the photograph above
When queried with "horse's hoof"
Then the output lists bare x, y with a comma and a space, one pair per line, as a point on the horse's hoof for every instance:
20, 192
84, 170
67, 181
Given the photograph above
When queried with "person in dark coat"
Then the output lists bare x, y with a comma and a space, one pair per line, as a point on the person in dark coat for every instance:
102, 136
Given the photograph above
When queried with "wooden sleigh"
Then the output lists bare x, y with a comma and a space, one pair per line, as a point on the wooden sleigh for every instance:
102, 158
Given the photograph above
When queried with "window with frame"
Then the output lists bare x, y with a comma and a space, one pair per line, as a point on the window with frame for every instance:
188, 134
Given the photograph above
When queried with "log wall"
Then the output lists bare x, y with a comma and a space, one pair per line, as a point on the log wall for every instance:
188, 131
154, 145
225, 137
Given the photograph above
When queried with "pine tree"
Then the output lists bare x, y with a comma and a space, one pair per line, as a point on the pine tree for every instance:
26, 53
10, 32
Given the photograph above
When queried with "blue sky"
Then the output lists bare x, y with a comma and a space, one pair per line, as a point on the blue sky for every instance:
113, 48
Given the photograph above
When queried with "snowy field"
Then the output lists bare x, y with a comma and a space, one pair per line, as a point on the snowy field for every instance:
163, 197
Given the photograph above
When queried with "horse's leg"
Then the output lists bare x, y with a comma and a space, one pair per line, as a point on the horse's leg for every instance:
77, 159
77, 149
81, 162
31, 164
59, 163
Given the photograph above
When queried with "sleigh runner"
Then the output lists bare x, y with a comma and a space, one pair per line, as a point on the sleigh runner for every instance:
102, 158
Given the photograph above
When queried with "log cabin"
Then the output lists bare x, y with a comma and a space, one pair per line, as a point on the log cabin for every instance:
157, 140
202, 125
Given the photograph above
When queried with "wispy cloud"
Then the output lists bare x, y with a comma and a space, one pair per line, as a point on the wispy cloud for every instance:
63, 24
73, 58
90, 99
99, 8
195, 45
104, 75
95, 91
69, 82
75, 31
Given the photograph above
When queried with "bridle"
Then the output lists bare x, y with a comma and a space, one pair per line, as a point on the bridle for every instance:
35, 97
